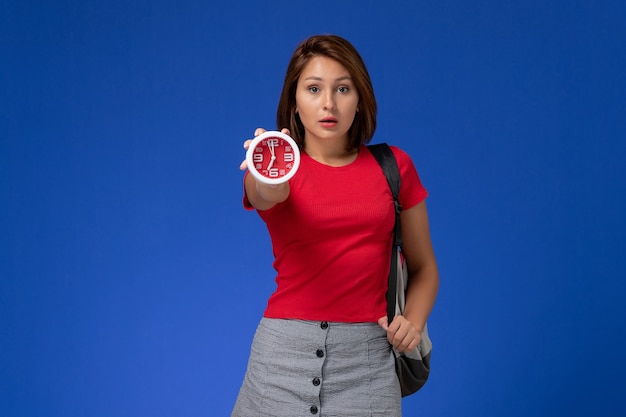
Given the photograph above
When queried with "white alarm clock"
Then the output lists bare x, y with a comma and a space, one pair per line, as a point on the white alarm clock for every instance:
273, 157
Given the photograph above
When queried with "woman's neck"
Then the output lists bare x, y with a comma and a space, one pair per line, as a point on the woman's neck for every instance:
330, 153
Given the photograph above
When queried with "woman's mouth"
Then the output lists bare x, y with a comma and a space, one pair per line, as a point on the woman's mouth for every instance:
328, 122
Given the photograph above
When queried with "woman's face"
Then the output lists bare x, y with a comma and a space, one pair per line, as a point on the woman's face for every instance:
326, 100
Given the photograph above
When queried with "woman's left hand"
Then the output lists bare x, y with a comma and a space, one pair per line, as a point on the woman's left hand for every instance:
401, 333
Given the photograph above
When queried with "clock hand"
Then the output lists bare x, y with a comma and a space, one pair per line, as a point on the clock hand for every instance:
271, 146
272, 159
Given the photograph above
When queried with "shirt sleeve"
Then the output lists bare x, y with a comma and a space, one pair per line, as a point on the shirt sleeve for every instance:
412, 191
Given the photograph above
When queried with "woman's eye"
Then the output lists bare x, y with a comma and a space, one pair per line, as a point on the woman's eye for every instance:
314, 89
343, 89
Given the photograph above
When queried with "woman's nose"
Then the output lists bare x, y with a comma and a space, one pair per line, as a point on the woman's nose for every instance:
329, 101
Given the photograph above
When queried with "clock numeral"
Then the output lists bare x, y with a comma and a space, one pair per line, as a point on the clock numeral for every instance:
288, 157
273, 172
257, 157
272, 142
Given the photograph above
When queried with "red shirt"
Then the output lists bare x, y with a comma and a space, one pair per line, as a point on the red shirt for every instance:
331, 239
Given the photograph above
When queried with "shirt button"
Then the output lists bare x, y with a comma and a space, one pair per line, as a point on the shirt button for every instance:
313, 409
324, 325
319, 353
316, 381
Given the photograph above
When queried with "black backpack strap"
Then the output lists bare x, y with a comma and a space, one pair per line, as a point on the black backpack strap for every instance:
389, 165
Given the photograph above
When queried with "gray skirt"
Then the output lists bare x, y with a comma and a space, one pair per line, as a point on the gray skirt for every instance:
306, 368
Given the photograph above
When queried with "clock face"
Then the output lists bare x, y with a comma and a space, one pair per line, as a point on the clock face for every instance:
273, 157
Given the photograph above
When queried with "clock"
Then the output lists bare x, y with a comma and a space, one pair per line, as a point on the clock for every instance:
273, 157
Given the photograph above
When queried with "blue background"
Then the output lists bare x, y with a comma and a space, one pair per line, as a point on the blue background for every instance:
131, 278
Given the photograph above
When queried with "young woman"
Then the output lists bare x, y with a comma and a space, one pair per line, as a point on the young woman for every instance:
323, 346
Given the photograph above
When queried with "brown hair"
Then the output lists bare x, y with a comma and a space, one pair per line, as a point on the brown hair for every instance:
342, 51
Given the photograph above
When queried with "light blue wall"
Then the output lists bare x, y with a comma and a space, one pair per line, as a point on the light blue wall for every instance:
131, 279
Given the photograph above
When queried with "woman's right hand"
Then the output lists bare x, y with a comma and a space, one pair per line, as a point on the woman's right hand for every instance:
263, 196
